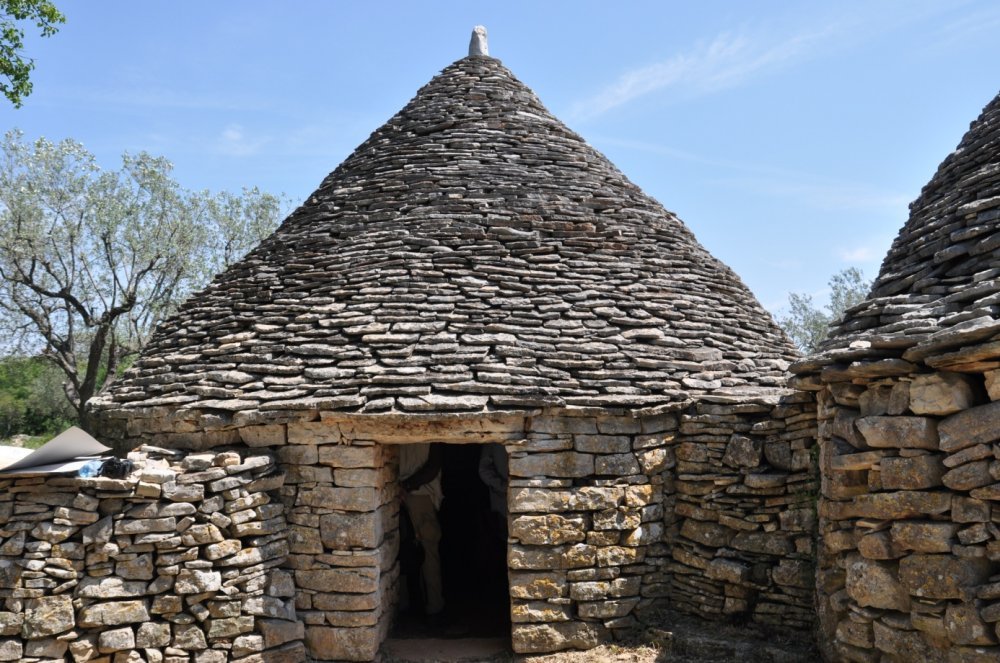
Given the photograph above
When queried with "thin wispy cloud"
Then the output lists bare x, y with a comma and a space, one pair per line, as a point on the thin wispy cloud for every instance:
967, 28
823, 194
780, 182
234, 141
737, 57
858, 254
727, 61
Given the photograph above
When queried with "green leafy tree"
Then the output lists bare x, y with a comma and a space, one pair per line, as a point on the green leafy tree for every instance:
808, 325
15, 66
31, 397
92, 260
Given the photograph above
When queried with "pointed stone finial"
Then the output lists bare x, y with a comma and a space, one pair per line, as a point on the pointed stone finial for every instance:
478, 45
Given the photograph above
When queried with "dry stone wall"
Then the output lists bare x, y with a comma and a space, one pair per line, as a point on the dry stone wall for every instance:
182, 561
604, 521
909, 562
707, 509
587, 499
744, 514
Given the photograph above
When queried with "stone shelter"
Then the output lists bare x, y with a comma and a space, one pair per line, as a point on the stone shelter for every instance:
909, 419
473, 273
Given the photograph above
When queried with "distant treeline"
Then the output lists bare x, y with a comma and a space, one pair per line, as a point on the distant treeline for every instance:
31, 398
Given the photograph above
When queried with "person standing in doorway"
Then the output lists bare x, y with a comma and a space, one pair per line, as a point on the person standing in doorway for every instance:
493, 472
420, 480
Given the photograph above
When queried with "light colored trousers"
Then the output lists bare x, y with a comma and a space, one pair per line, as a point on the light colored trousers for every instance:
424, 517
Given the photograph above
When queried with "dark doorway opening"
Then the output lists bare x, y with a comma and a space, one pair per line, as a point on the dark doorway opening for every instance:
473, 558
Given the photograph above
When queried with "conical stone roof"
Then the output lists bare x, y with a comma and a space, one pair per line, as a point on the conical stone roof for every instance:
472, 254
940, 282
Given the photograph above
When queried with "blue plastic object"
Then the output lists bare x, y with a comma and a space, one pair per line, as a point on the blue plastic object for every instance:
90, 468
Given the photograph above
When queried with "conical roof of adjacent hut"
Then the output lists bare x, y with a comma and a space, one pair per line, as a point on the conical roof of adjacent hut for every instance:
939, 285
472, 254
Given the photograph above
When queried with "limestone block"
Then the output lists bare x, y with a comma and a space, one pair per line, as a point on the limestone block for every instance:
351, 456
229, 627
608, 609
11, 650
10, 623
116, 639
539, 611
899, 504
874, 400
906, 645
353, 580
342, 644
976, 425
993, 384
171, 490
346, 530
875, 584
552, 529
743, 451
728, 570
654, 460
879, 545
644, 535
138, 568
618, 465
766, 543
195, 581
245, 645
965, 626
707, 533
52, 532
546, 638
619, 425
189, 637
912, 473
622, 518
304, 540
222, 549
560, 424
969, 454
619, 555
931, 624
899, 432
333, 602
969, 476
207, 656
844, 426
969, 510
941, 393
559, 464
537, 585
341, 499
942, 576
49, 648
152, 634
924, 536
855, 633
548, 500
263, 436
551, 557
313, 432
602, 444
113, 613
49, 615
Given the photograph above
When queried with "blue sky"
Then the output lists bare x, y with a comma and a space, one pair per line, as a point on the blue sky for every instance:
790, 137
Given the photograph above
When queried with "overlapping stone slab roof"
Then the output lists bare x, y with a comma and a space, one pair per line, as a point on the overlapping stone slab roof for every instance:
472, 254
939, 285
